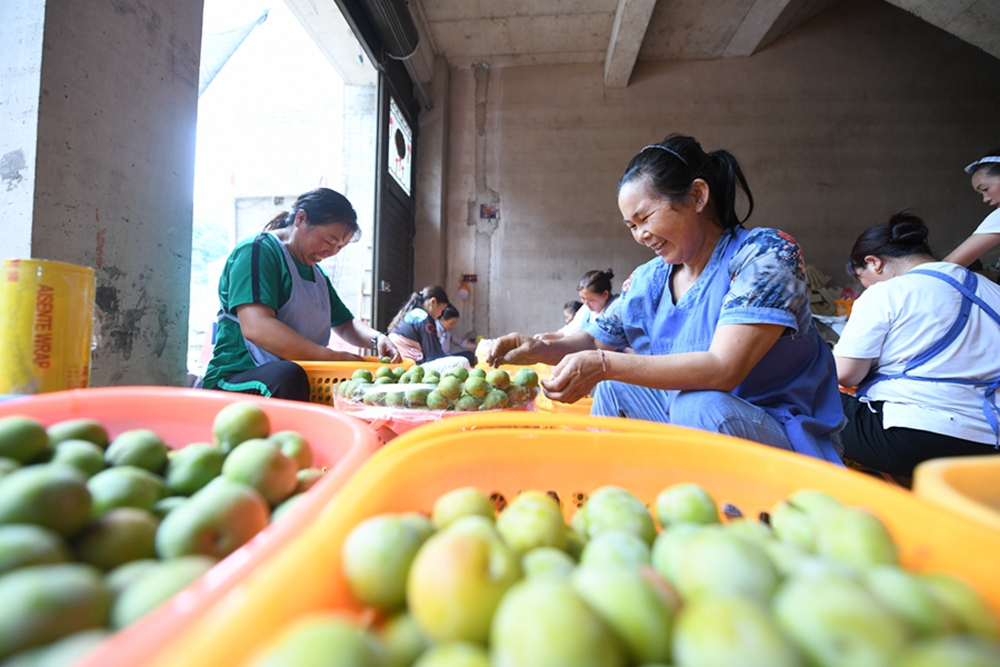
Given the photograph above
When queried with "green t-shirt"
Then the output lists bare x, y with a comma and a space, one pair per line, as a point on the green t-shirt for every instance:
271, 286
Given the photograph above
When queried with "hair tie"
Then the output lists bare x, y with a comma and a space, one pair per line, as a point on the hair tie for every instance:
669, 150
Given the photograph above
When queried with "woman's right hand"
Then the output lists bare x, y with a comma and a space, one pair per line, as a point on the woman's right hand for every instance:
514, 348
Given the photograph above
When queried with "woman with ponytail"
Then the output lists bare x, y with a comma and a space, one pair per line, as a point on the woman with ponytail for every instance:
414, 329
921, 347
278, 306
719, 319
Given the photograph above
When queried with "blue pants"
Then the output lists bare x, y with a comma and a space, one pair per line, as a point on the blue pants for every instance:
715, 411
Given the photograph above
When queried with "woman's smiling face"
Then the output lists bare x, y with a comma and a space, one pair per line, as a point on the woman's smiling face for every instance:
677, 232
311, 244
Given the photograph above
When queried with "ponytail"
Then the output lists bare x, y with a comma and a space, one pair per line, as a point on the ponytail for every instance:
417, 299
280, 221
671, 166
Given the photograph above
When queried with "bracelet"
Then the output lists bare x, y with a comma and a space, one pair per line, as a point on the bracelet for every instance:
375, 340
604, 364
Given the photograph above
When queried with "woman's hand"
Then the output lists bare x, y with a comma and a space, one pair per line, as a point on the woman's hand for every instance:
575, 376
514, 348
386, 348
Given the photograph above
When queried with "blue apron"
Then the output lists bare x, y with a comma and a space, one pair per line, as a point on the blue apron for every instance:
307, 310
795, 382
967, 288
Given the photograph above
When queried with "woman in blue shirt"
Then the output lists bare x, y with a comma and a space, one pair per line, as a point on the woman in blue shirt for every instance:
719, 319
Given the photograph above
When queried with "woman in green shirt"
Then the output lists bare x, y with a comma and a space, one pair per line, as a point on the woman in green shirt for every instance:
278, 305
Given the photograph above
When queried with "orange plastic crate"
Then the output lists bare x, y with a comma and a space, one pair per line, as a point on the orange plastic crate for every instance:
183, 416
325, 376
968, 485
510, 452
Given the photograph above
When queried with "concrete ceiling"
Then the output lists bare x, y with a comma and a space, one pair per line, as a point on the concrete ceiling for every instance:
620, 32
616, 32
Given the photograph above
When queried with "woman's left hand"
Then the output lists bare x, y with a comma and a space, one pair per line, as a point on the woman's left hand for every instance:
575, 376
386, 348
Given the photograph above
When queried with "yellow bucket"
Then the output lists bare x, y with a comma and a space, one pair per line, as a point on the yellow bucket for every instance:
45, 338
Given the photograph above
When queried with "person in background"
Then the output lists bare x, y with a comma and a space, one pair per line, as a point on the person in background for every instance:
445, 324
719, 319
414, 330
986, 181
277, 304
570, 309
921, 347
595, 293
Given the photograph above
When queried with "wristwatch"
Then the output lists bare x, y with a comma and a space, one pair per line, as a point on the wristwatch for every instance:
375, 340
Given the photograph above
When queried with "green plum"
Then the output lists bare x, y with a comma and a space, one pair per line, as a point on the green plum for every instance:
836, 622
636, 613
685, 503
616, 547
458, 578
543, 622
722, 631
377, 555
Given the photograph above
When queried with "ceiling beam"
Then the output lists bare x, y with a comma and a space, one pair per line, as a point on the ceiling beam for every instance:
976, 22
631, 21
754, 27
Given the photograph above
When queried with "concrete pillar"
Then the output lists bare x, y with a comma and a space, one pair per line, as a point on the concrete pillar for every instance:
101, 112
430, 265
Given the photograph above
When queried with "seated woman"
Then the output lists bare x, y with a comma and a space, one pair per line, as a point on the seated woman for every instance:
922, 342
595, 292
278, 306
445, 324
986, 181
414, 329
719, 319
570, 309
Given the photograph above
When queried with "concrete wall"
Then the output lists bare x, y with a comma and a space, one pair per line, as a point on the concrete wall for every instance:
860, 112
114, 175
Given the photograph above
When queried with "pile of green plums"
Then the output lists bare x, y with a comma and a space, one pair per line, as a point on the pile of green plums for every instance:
458, 389
96, 532
819, 585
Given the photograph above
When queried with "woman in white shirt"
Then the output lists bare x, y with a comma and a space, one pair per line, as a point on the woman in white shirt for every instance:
595, 293
986, 181
921, 347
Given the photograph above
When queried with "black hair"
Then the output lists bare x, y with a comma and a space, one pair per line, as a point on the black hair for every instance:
904, 235
417, 299
450, 312
671, 166
989, 168
572, 306
597, 282
322, 206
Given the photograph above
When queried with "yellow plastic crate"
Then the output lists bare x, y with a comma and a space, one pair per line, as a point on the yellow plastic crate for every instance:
581, 407
505, 453
324, 376
968, 485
